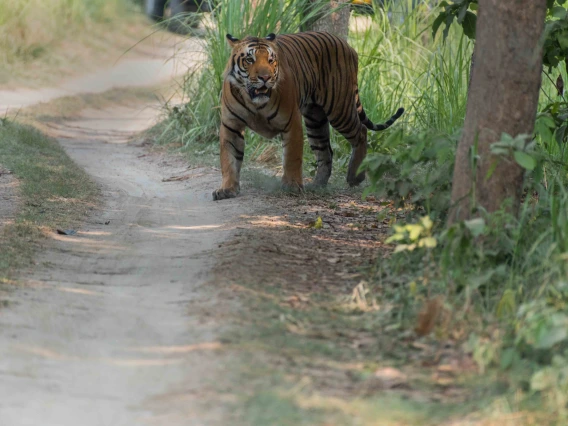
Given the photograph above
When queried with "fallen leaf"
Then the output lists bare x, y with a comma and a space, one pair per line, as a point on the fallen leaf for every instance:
318, 224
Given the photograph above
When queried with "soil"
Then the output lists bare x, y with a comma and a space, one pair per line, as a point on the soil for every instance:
283, 244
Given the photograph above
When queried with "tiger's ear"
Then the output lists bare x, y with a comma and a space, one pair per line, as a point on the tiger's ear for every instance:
271, 37
232, 40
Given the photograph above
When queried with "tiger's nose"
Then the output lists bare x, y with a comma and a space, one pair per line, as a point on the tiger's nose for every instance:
264, 78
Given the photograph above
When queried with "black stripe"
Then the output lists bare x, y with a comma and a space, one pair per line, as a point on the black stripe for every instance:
304, 62
318, 137
316, 36
275, 113
236, 132
330, 109
241, 103
318, 148
297, 54
238, 154
234, 113
323, 47
353, 133
317, 124
345, 102
287, 124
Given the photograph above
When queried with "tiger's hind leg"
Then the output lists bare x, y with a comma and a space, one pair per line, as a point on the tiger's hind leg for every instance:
317, 127
350, 126
358, 154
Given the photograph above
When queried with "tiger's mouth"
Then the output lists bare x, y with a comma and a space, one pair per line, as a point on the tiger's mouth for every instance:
260, 93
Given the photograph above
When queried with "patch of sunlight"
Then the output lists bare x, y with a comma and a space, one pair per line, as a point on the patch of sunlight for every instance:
192, 228
205, 346
79, 291
96, 233
141, 362
272, 221
128, 362
87, 242
43, 352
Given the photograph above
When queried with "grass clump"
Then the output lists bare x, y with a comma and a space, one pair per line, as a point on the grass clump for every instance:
54, 192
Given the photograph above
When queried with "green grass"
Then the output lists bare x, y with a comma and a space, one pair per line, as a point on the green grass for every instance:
54, 193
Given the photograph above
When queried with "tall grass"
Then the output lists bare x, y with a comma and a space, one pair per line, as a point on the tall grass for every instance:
29, 27
402, 65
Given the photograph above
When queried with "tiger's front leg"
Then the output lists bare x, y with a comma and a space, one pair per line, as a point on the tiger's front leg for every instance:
293, 144
232, 154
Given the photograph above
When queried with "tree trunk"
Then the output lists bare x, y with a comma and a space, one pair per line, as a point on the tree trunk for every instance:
336, 22
505, 84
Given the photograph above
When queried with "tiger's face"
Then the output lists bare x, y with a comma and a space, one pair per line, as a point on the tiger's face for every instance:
254, 66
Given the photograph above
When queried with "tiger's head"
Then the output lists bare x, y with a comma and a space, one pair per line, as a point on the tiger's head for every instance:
254, 66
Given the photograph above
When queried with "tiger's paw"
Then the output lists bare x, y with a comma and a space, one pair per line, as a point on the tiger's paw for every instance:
294, 187
320, 182
224, 193
356, 179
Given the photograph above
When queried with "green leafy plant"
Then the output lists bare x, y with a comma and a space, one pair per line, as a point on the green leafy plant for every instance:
556, 34
414, 170
461, 11
413, 236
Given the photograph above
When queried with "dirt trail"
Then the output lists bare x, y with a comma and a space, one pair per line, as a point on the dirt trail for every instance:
160, 62
111, 328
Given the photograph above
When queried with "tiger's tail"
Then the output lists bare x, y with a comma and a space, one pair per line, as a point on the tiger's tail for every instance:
368, 123
377, 127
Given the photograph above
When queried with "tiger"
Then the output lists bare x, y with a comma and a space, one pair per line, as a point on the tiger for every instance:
270, 83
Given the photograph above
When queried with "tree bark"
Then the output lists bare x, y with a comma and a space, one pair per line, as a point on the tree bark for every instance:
336, 22
505, 85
